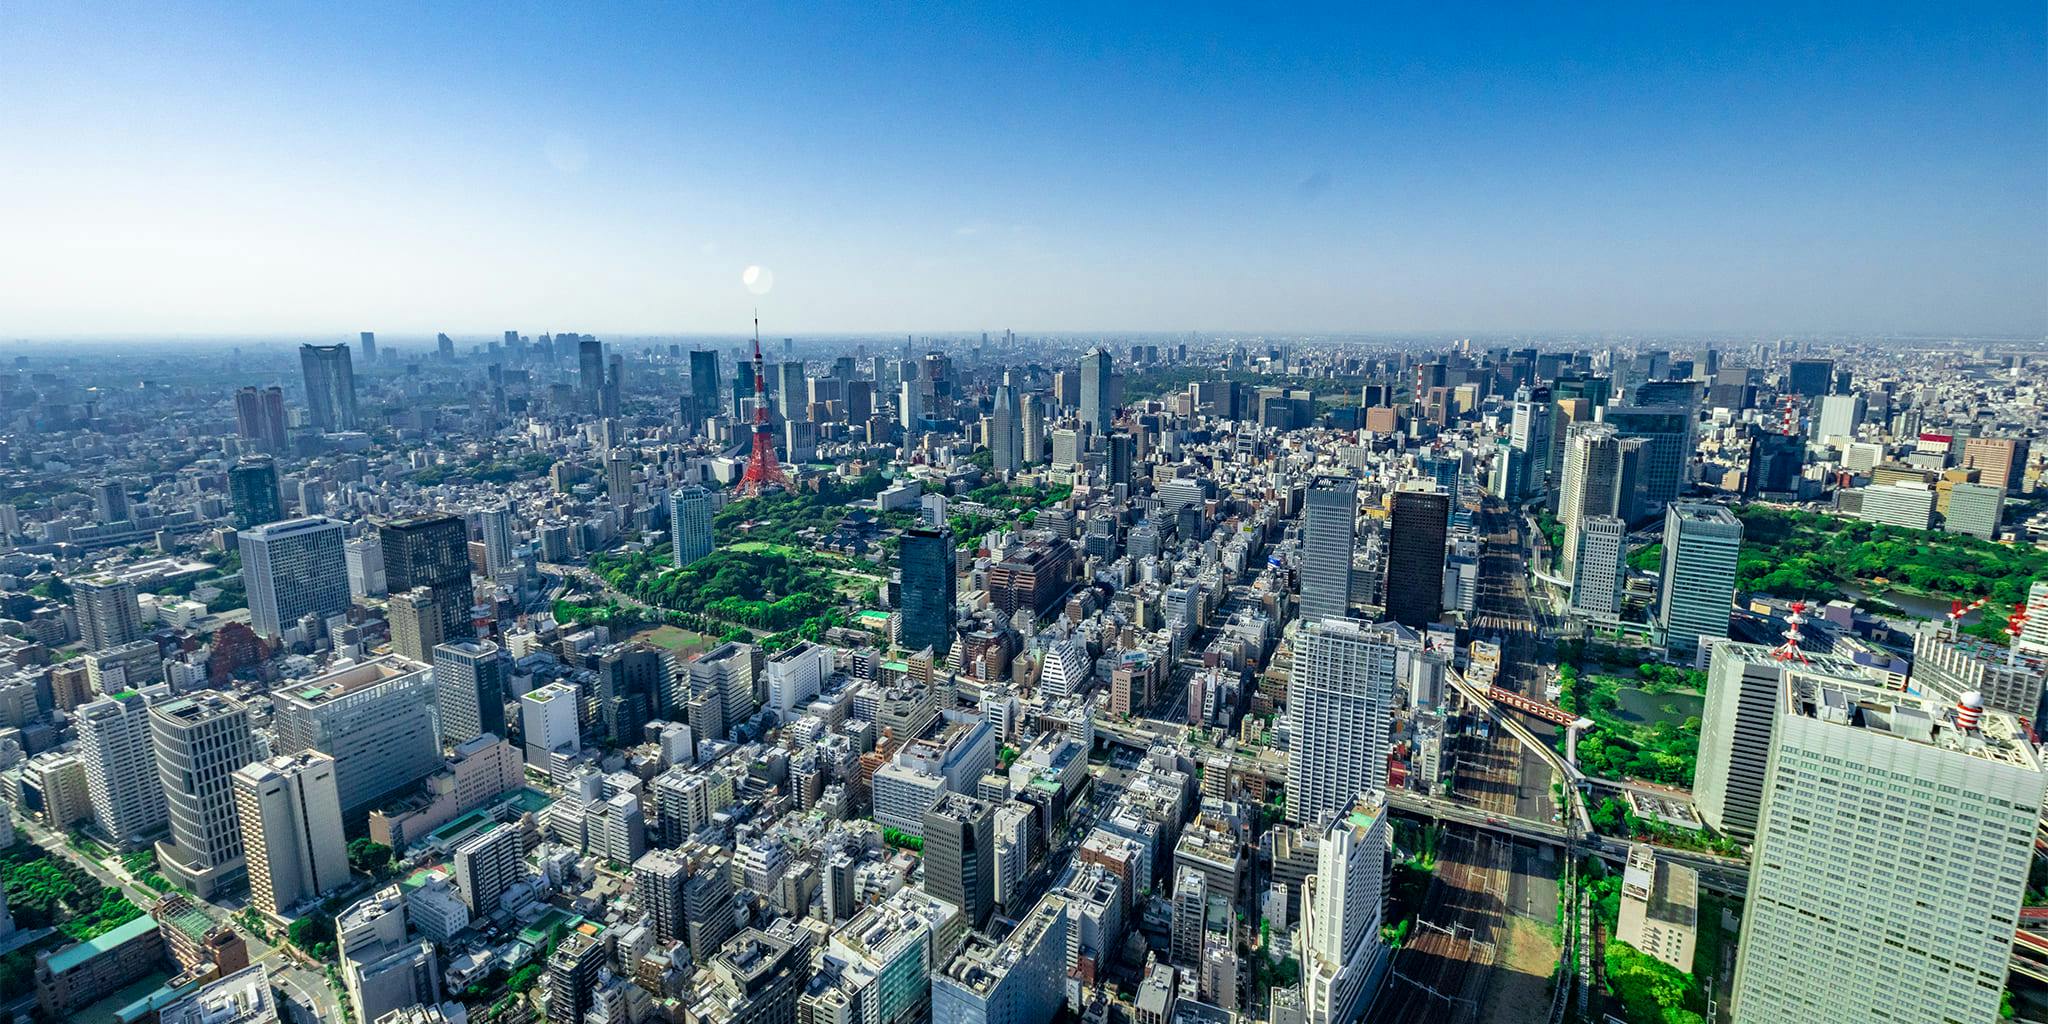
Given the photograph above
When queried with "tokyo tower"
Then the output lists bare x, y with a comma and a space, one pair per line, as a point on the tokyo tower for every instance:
763, 472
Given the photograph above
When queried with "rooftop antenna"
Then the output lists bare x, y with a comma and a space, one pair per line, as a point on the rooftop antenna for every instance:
2014, 626
1956, 610
1789, 650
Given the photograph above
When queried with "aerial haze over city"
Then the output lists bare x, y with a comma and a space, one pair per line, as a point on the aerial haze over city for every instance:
657, 515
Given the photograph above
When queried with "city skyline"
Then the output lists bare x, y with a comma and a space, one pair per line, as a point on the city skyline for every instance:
221, 173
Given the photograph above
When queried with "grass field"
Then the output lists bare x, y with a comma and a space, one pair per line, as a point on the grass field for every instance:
683, 642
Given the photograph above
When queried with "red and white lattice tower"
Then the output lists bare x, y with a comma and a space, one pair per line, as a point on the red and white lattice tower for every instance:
1956, 611
1788, 416
2014, 626
763, 472
1789, 650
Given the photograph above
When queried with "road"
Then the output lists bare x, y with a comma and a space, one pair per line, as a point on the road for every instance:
286, 970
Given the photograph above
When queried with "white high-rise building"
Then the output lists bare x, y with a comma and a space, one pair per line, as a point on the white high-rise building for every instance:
1743, 683
547, 718
376, 719
1890, 861
290, 815
1908, 504
726, 674
1329, 536
201, 740
795, 675
499, 554
1007, 430
120, 768
1338, 939
487, 864
108, 612
1975, 509
2034, 632
1840, 415
1339, 700
1702, 545
1600, 570
365, 558
292, 569
1593, 483
689, 523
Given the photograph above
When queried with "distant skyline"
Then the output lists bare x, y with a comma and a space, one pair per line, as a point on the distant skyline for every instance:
300, 171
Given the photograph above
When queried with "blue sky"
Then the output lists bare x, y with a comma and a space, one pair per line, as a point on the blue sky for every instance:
312, 169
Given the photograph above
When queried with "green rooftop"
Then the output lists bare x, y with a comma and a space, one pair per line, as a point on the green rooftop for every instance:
71, 956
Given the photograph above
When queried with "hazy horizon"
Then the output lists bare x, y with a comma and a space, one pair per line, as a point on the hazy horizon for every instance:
306, 173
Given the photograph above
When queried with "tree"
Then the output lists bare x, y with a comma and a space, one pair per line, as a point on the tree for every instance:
368, 856
314, 935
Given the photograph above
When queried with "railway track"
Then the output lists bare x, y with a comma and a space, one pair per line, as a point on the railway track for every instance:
1440, 975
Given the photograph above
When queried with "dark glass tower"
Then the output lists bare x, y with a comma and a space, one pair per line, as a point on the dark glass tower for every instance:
928, 591
1415, 557
432, 551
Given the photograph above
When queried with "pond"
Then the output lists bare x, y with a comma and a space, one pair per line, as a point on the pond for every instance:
1915, 604
1642, 708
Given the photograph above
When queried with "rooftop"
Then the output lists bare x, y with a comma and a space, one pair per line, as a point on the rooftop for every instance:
1997, 736
77, 953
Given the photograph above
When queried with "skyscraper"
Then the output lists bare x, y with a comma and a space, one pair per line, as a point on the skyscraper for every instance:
252, 489
1339, 936
1890, 862
1594, 482
200, 741
689, 518
618, 480
1744, 682
1415, 555
1702, 544
110, 501
108, 612
1810, 378
1529, 434
376, 720
1329, 525
1006, 427
120, 768
365, 558
415, 624
291, 569
1033, 432
1601, 569
432, 550
290, 816
1096, 385
792, 394
1666, 431
1339, 695
928, 590
367, 341
499, 553
259, 418
330, 387
590, 373
469, 691
959, 855
703, 387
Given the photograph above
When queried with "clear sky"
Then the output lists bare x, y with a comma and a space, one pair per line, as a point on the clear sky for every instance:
313, 169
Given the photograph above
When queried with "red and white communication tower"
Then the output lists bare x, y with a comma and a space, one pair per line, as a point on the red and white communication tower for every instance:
1789, 650
1956, 611
763, 472
1788, 416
